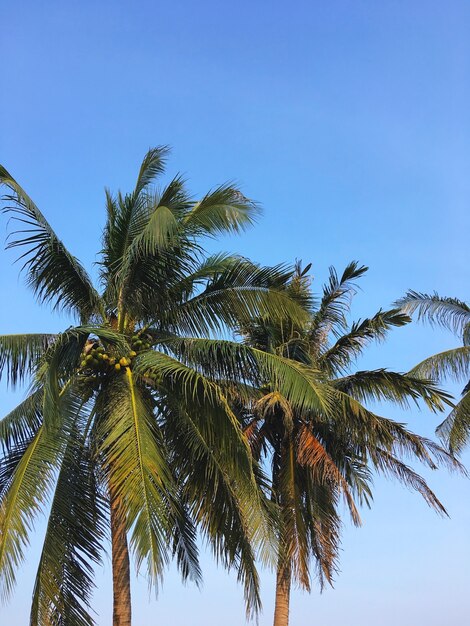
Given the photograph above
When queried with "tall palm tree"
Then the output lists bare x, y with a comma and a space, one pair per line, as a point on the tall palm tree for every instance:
454, 315
321, 454
122, 431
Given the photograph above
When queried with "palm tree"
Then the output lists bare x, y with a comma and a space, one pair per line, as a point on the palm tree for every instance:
122, 431
454, 315
321, 454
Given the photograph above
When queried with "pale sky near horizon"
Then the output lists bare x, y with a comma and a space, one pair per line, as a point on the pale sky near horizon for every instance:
349, 122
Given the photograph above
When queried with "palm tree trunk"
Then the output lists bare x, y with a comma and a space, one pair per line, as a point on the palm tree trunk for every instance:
283, 582
121, 569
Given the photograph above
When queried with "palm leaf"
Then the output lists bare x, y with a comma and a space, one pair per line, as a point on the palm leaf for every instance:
222, 210
389, 465
335, 302
53, 273
448, 312
22, 422
311, 453
402, 389
161, 368
323, 527
19, 355
302, 386
453, 363
206, 269
152, 166
350, 345
72, 544
137, 471
158, 233
30, 484
220, 490
455, 429
369, 431
22, 500
212, 311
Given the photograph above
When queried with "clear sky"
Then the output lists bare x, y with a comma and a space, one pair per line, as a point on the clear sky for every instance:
349, 122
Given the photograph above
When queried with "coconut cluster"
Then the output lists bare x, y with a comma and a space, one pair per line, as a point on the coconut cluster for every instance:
139, 342
95, 358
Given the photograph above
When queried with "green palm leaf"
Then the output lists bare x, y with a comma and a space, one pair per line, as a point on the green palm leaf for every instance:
222, 210
137, 471
391, 466
22, 422
448, 312
29, 485
454, 364
230, 360
53, 273
350, 345
20, 354
220, 488
335, 301
73, 542
241, 291
371, 432
21, 502
455, 429
402, 389
152, 166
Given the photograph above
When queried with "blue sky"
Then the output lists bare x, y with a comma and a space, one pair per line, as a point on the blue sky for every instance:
349, 122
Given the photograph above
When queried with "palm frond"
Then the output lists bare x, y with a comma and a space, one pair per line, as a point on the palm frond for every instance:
302, 386
174, 196
390, 465
22, 500
466, 334
26, 490
73, 542
455, 429
323, 526
136, 469
152, 166
454, 364
207, 269
212, 311
222, 210
237, 290
335, 302
127, 216
402, 389
219, 488
350, 345
450, 313
158, 233
162, 368
19, 355
22, 422
311, 453
52, 272
370, 432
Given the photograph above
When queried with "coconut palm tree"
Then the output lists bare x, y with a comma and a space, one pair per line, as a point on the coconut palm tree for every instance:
122, 431
321, 455
454, 315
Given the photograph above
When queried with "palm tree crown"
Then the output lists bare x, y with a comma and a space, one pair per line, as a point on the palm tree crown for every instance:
321, 454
